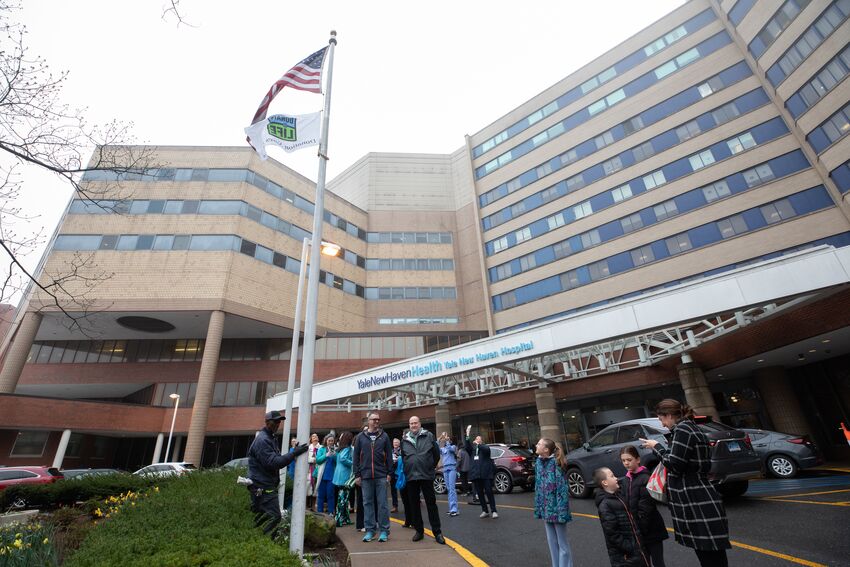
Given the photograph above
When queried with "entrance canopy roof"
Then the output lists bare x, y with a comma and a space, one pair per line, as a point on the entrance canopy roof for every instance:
625, 335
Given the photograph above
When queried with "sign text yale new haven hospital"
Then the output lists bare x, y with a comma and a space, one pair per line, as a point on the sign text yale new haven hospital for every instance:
437, 365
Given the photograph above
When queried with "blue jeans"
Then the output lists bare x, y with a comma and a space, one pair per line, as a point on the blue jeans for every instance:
559, 545
325, 494
450, 475
375, 492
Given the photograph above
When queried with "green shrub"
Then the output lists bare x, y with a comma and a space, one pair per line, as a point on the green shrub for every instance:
198, 519
69, 492
27, 544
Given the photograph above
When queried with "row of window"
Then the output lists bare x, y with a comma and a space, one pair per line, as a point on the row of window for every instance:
820, 85
838, 240
204, 207
681, 167
691, 200
783, 17
739, 10
841, 176
632, 88
756, 218
832, 17
634, 124
627, 63
831, 130
227, 175
409, 237
662, 142
410, 264
419, 321
197, 242
411, 293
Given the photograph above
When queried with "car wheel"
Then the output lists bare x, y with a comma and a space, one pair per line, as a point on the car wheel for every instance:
733, 489
503, 483
440, 484
576, 484
781, 466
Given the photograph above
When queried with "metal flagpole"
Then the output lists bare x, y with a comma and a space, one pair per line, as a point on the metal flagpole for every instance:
305, 403
293, 361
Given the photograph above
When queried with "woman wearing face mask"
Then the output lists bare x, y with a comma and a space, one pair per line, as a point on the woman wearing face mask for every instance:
552, 500
642, 506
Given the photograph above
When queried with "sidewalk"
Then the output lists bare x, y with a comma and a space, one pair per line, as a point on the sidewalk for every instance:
400, 550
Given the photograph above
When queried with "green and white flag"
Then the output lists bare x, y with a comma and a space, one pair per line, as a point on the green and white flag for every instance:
289, 132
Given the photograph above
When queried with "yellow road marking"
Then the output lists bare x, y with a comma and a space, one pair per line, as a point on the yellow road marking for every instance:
783, 496
808, 502
836, 469
778, 555
467, 555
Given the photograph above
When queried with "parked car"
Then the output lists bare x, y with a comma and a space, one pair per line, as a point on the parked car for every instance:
83, 473
237, 463
784, 454
733, 460
514, 467
13, 476
166, 469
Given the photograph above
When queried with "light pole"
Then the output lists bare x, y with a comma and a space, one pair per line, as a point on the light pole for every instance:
176, 398
327, 249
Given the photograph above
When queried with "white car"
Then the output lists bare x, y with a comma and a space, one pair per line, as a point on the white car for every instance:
166, 469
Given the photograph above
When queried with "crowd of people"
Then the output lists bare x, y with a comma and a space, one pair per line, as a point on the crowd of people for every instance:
370, 467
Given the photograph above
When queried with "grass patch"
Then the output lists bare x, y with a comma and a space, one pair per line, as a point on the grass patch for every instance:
196, 520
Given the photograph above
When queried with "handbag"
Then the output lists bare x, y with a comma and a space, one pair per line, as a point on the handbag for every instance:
657, 484
401, 480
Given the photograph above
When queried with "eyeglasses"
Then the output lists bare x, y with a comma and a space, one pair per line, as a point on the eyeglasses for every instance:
374, 419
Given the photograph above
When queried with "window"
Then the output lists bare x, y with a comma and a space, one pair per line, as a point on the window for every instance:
702, 159
604, 140
582, 210
612, 165
555, 221
549, 194
502, 272
758, 175
778, 211
711, 86
665, 210
561, 250
665, 69
590, 238
622, 192
77, 242
500, 244
569, 280
725, 113
599, 270
678, 243
631, 223
632, 125
606, 437
732, 226
29, 444
527, 262
643, 151
740, 143
523, 234
629, 433
654, 179
164, 242
716, 191
642, 255
688, 131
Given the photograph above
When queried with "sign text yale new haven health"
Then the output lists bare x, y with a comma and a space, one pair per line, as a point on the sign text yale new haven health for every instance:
438, 365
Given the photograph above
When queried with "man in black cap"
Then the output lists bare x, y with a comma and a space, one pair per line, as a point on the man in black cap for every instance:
264, 463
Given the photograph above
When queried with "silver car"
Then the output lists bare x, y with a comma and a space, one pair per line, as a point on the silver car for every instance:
784, 454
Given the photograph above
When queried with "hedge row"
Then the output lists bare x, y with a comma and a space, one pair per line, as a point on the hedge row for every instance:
198, 519
68, 492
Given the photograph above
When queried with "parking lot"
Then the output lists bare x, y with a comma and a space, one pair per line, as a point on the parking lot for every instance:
801, 521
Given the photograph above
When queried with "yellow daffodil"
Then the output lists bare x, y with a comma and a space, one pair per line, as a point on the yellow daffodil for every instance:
45, 541
18, 543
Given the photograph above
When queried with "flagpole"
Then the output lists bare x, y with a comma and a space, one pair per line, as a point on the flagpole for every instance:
305, 405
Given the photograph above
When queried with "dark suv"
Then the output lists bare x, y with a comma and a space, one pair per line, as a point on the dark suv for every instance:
514, 467
733, 460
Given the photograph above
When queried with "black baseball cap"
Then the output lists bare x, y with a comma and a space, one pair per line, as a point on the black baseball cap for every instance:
274, 415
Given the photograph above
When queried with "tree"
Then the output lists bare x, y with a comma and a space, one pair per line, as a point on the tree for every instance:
38, 130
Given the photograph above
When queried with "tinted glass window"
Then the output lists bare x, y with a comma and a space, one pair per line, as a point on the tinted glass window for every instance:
604, 438
629, 433
496, 452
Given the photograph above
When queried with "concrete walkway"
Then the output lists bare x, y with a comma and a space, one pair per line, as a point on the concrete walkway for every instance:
400, 550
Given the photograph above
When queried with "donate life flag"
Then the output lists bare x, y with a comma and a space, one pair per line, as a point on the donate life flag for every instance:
286, 131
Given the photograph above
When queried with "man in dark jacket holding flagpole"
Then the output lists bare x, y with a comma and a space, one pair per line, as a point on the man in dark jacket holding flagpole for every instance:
264, 463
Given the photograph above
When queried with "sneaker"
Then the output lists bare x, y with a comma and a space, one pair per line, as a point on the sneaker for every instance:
362, 530
452, 514
383, 537
484, 515
369, 536
393, 510
494, 515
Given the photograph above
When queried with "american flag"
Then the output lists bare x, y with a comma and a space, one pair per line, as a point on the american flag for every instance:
306, 75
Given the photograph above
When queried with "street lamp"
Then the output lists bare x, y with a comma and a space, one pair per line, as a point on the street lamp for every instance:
176, 398
327, 249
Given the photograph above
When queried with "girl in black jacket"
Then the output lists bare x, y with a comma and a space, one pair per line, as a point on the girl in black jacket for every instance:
652, 529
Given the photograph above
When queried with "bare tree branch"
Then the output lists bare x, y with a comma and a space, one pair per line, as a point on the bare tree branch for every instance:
173, 9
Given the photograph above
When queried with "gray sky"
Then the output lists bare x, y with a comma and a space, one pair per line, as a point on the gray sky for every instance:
408, 77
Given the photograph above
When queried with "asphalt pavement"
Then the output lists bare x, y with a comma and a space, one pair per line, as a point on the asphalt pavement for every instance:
804, 521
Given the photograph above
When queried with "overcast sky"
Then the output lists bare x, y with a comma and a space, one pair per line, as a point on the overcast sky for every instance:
408, 77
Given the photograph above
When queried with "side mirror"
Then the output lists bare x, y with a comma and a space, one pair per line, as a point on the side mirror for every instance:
585, 446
